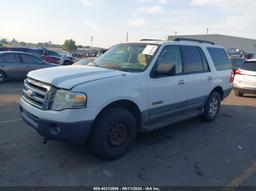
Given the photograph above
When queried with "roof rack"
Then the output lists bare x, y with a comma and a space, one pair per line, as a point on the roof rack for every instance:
194, 40
149, 39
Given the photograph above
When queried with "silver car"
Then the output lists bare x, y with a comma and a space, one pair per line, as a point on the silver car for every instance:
245, 78
18, 64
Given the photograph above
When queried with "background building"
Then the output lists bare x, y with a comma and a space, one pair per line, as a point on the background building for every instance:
248, 45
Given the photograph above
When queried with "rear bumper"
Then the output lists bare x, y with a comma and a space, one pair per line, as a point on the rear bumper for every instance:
227, 92
245, 90
75, 132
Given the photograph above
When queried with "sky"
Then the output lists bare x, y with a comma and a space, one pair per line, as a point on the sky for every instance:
108, 21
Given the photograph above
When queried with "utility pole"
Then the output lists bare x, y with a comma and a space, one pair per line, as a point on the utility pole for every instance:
91, 41
207, 31
127, 36
176, 33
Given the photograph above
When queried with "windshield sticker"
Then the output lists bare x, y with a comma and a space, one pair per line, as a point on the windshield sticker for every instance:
150, 50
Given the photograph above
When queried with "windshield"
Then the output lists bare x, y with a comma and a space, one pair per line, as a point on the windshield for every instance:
251, 66
127, 57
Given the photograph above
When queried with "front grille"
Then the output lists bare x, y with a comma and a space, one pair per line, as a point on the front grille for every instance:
35, 93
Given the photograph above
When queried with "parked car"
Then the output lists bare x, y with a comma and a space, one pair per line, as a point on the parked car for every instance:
236, 52
245, 78
236, 62
45, 54
21, 49
133, 87
19, 64
55, 57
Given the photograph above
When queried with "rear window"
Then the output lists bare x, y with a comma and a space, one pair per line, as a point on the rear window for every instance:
251, 66
237, 62
219, 58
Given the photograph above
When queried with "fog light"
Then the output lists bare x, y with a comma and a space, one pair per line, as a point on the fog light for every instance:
55, 130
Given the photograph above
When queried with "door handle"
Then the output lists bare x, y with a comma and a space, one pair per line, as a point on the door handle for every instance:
181, 82
210, 78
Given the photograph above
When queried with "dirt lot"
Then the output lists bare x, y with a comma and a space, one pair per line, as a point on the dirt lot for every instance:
190, 153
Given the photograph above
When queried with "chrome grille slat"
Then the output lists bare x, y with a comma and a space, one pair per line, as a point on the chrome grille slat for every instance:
35, 90
36, 98
31, 102
35, 93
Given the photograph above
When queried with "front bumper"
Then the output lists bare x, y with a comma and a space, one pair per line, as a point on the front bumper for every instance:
75, 132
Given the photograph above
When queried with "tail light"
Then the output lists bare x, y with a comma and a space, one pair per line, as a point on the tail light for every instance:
238, 72
232, 76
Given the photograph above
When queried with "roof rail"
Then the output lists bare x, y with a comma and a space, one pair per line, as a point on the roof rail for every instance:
194, 40
149, 39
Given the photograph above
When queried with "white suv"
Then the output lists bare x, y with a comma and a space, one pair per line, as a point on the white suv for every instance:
133, 87
245, 78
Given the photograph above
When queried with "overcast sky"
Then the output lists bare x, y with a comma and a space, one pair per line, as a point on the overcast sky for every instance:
109, 20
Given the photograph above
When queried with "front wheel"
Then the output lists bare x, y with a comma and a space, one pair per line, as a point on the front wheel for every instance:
2, 77
113, 133
66, 63
212, 107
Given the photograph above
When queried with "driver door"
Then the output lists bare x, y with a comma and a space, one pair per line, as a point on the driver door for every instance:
168, 92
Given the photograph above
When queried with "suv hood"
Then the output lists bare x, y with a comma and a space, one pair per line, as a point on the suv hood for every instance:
67, 77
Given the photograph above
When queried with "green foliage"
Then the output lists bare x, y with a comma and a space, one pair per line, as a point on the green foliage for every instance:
70, 45
3, 41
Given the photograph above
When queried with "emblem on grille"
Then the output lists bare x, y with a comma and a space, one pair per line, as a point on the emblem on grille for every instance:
29, 93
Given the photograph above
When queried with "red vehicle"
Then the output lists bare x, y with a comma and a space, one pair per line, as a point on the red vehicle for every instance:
54, 57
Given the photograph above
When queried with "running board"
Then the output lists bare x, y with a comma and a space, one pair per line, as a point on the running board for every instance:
169, 121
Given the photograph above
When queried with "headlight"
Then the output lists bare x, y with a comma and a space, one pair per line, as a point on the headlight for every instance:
68, 100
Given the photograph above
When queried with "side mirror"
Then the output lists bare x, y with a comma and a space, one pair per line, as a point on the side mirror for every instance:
166, 69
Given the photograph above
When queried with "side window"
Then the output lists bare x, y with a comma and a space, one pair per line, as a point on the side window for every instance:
205, 62
219, 58
170, 59
52, 53
192, 59
11, 58
28, 59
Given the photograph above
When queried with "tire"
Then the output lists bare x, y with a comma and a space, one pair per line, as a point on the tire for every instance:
239, 94
66, 63
113, 133
2, 77
212, 107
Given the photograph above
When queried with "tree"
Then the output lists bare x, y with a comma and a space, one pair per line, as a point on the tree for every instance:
70, 45
3, 41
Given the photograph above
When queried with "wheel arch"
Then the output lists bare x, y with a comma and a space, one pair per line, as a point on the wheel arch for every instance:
126, 104
220, 90
4, 73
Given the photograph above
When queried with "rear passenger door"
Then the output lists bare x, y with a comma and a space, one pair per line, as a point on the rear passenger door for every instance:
31, 62
200, 79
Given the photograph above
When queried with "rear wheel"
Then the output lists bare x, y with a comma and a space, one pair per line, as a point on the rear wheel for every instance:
113, 133
67, 62
212, 107
2, 76
239, 94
